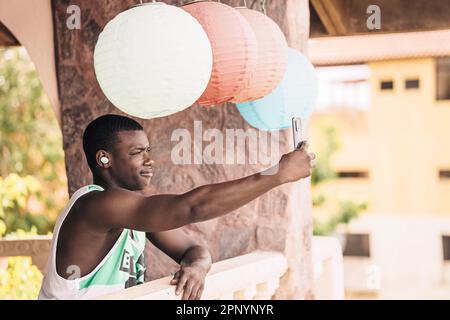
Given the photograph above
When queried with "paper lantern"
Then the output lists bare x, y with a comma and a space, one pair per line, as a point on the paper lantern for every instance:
234, 49
153, 60
272, 56
295, 96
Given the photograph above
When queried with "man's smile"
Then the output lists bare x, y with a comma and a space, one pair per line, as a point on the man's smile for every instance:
146, 173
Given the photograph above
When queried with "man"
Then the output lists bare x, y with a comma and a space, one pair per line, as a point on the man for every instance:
99, 238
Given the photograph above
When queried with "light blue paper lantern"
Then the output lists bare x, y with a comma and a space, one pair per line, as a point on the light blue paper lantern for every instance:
295, 96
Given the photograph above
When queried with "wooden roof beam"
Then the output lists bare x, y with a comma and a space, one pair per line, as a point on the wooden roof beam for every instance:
6, 37
332, 14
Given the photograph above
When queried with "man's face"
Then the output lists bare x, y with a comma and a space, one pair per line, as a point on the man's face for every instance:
132, 164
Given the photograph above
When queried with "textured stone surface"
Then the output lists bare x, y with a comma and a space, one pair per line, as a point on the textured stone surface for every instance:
279, 220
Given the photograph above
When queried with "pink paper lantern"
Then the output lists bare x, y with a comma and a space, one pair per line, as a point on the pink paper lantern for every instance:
272, 56
234, 48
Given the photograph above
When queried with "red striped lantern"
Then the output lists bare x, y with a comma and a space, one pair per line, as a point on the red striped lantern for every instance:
272, 56
234, 48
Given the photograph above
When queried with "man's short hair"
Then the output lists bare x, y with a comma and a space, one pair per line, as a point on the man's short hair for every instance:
101, 133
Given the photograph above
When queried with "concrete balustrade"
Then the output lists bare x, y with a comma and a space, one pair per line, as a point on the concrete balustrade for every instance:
251, 276
328, 268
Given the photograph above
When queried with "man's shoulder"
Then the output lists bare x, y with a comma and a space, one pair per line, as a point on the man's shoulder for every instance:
89, 207
102, 198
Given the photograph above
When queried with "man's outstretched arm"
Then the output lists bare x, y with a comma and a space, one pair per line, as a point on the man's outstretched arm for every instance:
120, 208
194, 260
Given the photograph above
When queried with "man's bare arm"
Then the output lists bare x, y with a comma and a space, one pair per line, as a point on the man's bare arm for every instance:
194, 259
120, 208
176, 243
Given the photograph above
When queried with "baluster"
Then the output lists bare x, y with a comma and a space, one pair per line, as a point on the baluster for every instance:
265, 290
245, 294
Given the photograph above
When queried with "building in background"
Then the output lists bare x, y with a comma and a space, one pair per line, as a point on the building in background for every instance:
389, 98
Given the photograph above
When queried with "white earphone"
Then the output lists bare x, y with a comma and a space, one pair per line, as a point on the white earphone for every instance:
104, 160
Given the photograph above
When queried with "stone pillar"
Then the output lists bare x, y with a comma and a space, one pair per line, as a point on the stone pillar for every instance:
280, 220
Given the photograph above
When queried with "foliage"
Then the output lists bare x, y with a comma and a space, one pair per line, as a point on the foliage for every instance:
328, 145
33, 185
16, 194
346, 212
20, 279
328, 142
21, 234
319, 200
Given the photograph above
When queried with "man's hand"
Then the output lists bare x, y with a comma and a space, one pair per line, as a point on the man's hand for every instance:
297, 164
194, 259
190, 280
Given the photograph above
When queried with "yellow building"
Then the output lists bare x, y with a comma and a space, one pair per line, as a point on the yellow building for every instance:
396, 152
388, 96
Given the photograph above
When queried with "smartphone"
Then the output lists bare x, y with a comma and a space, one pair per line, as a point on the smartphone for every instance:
297, 131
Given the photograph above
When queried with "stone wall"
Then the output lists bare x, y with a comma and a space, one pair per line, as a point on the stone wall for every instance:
279, 220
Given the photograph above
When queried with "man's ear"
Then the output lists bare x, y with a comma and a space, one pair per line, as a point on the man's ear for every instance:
103, 159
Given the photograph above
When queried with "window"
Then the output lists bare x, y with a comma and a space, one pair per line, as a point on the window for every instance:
352, 174
412, 84
443, 78
444, 174
344, 87
387, 85
446, 247
357, 245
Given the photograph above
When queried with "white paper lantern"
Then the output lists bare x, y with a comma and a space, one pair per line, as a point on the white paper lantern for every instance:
153, 60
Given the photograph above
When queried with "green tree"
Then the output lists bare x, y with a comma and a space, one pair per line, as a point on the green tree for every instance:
328, 145
33, 182
347, 211
328, 142
20, 279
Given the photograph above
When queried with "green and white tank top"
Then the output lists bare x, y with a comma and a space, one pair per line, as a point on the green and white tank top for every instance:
121, 268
